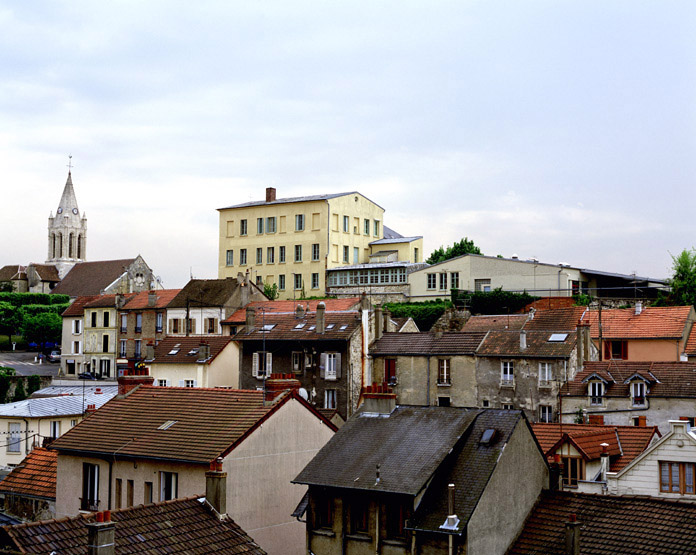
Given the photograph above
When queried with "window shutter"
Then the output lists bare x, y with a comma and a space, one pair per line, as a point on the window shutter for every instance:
193, 325
338, 365
215, 325
255, 365
322, 365
182, 383
269, 364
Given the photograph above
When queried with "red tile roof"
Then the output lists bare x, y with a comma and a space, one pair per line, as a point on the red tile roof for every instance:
208, 423
667, 322
141, 300
35, 475
625, 442
90, 278
666, 379
78, 305
339, 326
106, 301
690, 347
185, 347
559, 319
500, 322
550, 303
288, 307
183, 526
507, 343
610, 525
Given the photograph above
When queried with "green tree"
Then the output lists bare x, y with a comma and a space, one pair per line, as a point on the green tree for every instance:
465, 246
42, 327
10, 319
6, 286
683, 281
271, 291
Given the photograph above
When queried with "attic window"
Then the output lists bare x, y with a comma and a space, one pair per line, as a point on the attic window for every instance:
330, 327
558, 337
175, 350
487, 437
193, 352
268, 327
344, 327
168, 424
299, 326
311, 328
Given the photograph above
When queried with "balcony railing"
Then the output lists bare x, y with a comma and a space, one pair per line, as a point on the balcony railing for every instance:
638, 401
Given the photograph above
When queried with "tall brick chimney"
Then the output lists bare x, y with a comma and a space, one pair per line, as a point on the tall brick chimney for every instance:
270, 194
278, 383
379, 322
101, 535
321, 317
250, 319
572, 535
378, 399
216, 488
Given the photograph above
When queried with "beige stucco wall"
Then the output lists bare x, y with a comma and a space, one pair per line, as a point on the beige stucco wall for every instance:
642, 476
33, 431
93, 338
68, 339
262, 499
323, 225
414, 387
222, 371
511, 275
500, 516
406, 251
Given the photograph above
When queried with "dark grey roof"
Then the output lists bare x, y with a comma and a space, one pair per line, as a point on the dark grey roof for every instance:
90, 278
205, 293
309, 198
394, 240
427, 343
469, 470
506, 343
409, 445
389, 233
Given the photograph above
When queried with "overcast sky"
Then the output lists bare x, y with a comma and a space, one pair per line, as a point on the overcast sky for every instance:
564, 131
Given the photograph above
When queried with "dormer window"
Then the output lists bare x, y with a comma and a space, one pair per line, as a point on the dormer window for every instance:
596, 391
638, 394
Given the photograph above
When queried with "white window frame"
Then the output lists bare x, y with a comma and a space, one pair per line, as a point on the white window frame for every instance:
281, 254
298, 253
297, 281
507, 372
595, 391
122, 346
315, 281
160, 322
270, 255
259, 360
243, 227
346, 254
173, 479
443, 281
77, 327
638, 391
315, 252
259, 226
242, 257
545, 413
229, 257
431, 281
346, 224
259, 255
271, 224
444, 371
14, 445
329, 398
55, 429
544, 373
299, 222
330, 371
281, 282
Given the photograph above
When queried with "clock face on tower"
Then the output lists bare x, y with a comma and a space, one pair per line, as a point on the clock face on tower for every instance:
74, 211
60, 210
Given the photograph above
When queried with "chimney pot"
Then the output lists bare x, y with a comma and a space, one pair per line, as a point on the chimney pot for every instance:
523, 340
639, 307
379, 321
321, 317
216, 487
151, 299
100, 517
270, 194
107, 516
250, 319
572, 535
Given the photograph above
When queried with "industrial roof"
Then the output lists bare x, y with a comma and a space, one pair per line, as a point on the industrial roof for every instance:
65, 405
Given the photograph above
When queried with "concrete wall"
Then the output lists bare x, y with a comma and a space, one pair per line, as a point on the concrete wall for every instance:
617, 411
33, 431
260, 496
222, 371
323, 225
417, 385
500, 515
642, 477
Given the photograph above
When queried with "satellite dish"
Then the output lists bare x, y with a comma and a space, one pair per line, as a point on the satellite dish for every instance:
303, 393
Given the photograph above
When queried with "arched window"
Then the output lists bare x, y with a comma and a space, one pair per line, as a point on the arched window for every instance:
70, 245
60, 245
79, 246
53, 245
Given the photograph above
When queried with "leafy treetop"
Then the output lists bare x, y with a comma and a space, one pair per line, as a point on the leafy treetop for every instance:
465, 246
683, 280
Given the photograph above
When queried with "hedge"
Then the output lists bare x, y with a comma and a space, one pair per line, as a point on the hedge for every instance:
34, 309
425, 314
22, 299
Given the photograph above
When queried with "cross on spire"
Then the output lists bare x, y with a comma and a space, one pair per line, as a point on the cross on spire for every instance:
70, 166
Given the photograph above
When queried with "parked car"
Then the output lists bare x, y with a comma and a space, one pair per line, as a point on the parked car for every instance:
54, 356
86, 376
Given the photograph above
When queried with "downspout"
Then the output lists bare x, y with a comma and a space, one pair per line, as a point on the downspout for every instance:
450, 550
26, 436
111, 466
377, 530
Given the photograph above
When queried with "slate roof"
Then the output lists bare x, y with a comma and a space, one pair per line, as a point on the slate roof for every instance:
13, 272
34, 476
288, 307
183, 526
90, 278
77, 307
664, 322
205, 292
140, 301
187, 349
409, 446
667, 379
75, 390
611, 525
389, 233
470, 471
558, 319
626, 442
285, 327
394, 240
427, 343
497, 322
308, 198
507, 343
208, 423
53, 406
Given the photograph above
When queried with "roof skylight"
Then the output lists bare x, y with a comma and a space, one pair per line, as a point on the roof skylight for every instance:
299, 326
558, 337
168, 424
175, 349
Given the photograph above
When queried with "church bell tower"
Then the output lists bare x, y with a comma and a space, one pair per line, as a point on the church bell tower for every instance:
67, 232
